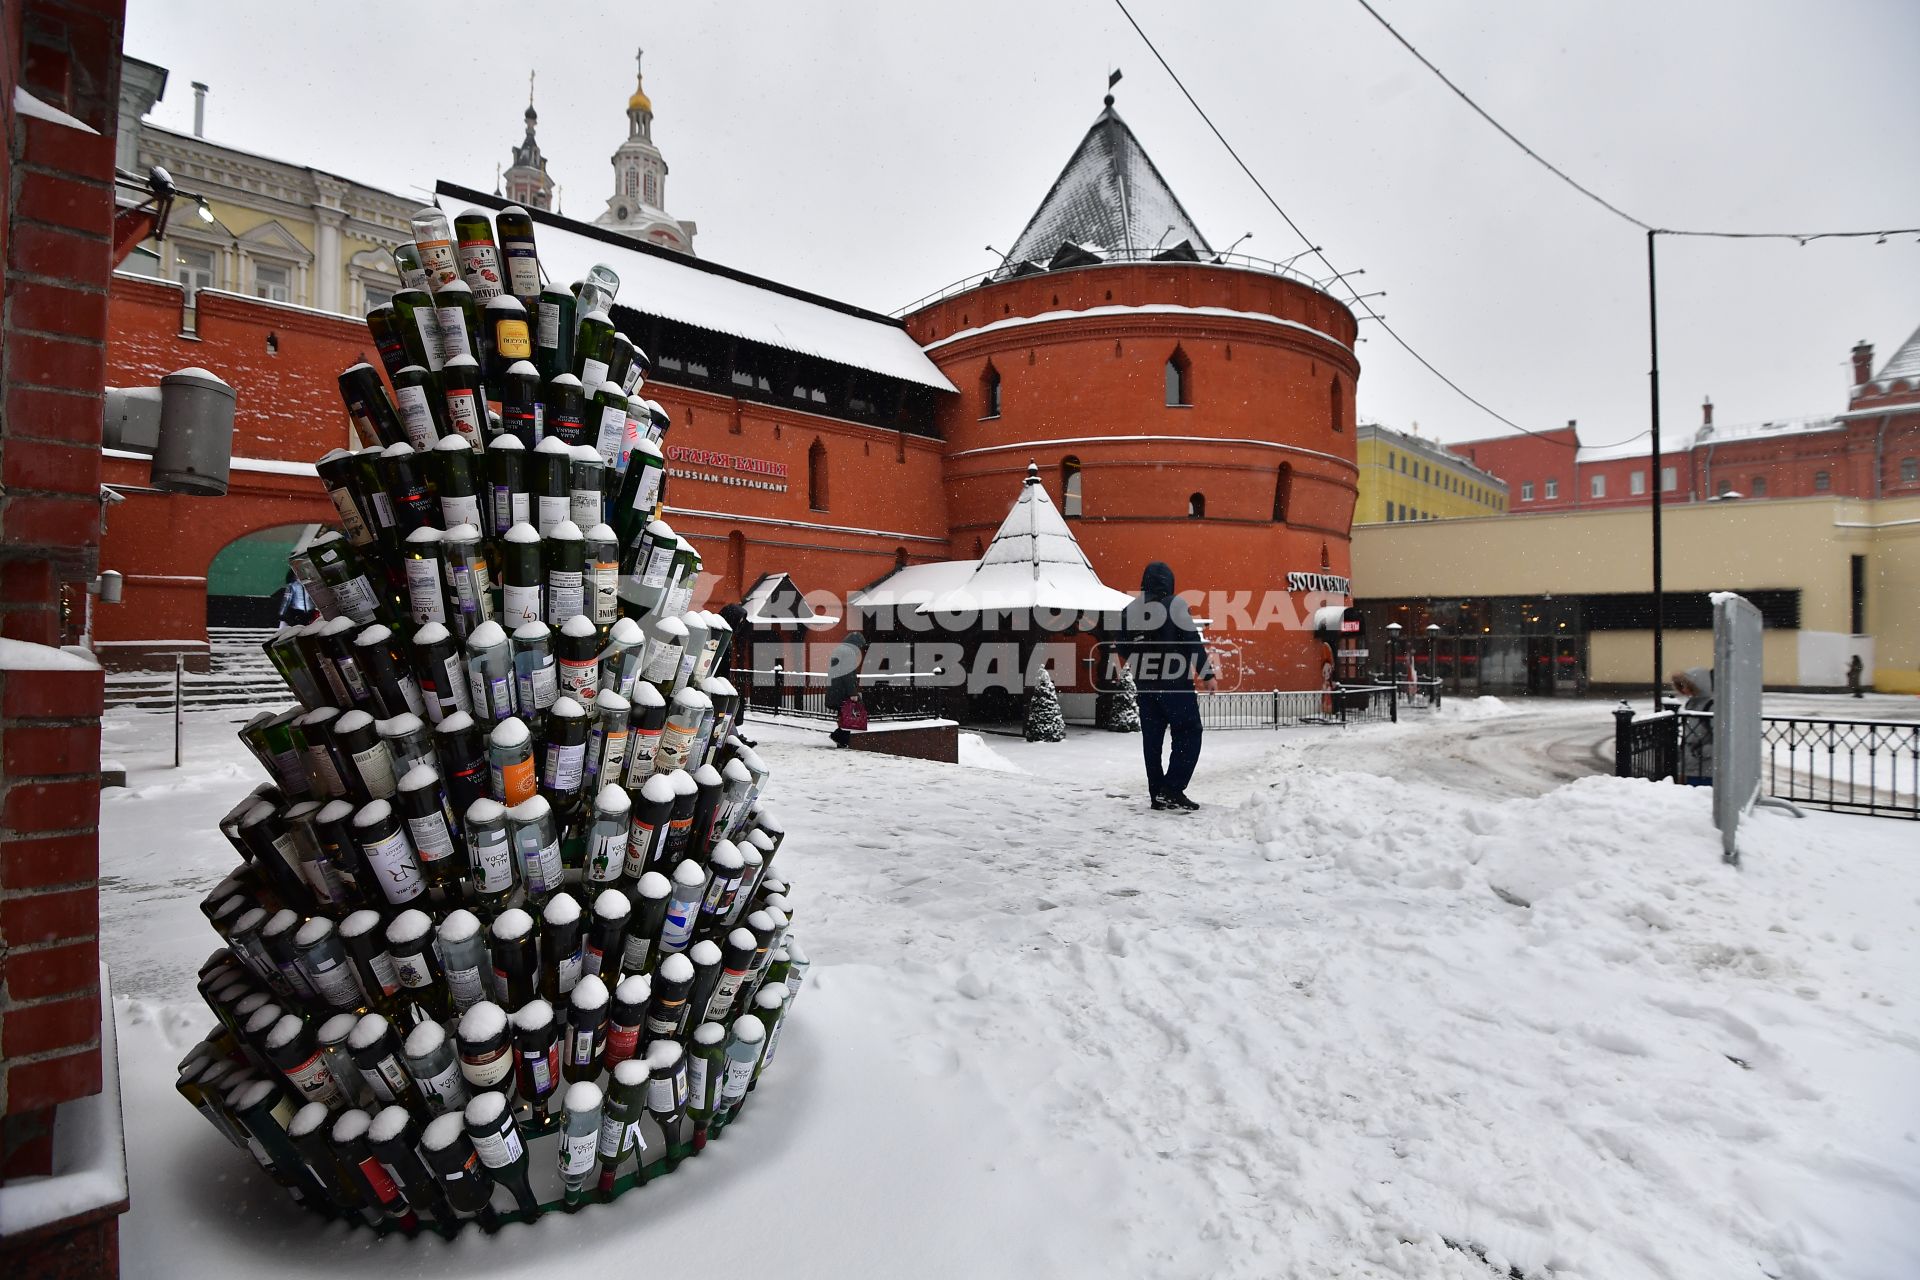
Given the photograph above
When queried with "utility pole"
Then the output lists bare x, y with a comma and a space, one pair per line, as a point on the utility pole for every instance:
1655, 475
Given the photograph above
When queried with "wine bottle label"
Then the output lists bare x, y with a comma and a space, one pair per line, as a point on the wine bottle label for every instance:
611, 440
455, 509
477, 691
606, 592
647, 492
334, 981
453, 682
472, 588
795, 977
543, 1068
542, 871
642, 746
639, 854
427, 324
523, 268
621, 1043
566, 973
739, 1076
547, 323
447, 1087
635, 959
520, 604
486, 1069
578, 1154
288, 770
655, 576
383, 510
612, 755
466, 415
416, 416
375, 766
454, 339
384, 973
592, 373
350, 520
605, 856
480, 268
583, 507
564, 764
437, 259
392, 861
550, 510
563, 595
579, 679
356, 682
431, 839
675, 741
315, 1082
388, 1078
679, 925
660, 1095
541, 687
492, 860
514, 781
580, 1045
663, 660
295, 980
466, 987
355, 598
380, 1179
723, 994
773, 1039
498, 1150
423, 590
415, 970
615, 1135
697, 1084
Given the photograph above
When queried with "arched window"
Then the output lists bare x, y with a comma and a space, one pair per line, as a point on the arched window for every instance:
990, 392
1283, 493
1338, 397
1196, 506
1069, 486
650, 190
1179, 379
817, 476
633, 183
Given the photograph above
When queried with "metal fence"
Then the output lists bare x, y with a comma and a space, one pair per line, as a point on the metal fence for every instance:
1278, 709
779, 691
1850, 766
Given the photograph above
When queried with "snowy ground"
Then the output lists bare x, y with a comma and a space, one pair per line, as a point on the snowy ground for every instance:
1360, 1017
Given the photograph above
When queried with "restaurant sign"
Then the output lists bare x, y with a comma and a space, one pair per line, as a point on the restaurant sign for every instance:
684, 462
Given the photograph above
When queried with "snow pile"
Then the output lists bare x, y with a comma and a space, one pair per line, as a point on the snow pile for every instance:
975, 753
1484, 707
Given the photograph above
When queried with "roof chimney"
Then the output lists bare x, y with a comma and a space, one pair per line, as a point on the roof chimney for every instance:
1862, 362
1706, 411
199, 110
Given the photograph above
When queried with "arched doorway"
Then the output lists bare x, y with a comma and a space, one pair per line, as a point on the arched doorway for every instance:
244, 577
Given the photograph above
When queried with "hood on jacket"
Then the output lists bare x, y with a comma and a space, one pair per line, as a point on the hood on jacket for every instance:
857, 639
1701, 678
1156, 581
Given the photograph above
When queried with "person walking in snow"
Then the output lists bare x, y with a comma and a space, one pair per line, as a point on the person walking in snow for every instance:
1162, 647
1696, 731
1855, 669
843, 688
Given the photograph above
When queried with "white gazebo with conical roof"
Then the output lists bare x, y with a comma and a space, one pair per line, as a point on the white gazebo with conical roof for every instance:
1034, 562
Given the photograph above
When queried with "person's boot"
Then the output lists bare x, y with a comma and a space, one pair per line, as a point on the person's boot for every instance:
1159, 801
1179, 800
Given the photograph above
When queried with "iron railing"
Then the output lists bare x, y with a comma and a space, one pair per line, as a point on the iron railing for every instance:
916, 696
1849, 766
1111, 258
1280, 709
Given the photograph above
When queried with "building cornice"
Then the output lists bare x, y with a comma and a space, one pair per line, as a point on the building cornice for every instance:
1160, 318
1217, 441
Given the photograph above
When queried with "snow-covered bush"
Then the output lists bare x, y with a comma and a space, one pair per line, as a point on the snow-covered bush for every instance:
1124, 713
1045, 723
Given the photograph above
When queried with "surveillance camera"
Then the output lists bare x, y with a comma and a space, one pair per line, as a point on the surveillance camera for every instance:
185, 424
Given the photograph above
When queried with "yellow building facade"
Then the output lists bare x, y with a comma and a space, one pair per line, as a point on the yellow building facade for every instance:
1559, 603
1406, 478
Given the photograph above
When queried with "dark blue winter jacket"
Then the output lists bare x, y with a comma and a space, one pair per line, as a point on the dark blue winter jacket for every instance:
1160, 641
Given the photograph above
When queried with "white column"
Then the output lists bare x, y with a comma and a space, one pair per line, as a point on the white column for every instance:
329, 270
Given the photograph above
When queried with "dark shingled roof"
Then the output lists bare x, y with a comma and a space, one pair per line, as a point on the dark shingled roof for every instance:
1108, 200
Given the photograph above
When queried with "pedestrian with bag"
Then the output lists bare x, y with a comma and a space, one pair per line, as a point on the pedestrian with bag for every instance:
843, 688
1696, 730
1162, 647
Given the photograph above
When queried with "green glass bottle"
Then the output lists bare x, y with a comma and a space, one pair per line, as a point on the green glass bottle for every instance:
459, 320
521, 414
509, 500
706, 1070
641, 490
593, 349
564, 410
509, 341
579, 1140
522, 259
423, 412
384, 325
419, 326
365, 397
413, 272
553, 324
626, 1103
607, 424
496, 1138
465, 395
478, 256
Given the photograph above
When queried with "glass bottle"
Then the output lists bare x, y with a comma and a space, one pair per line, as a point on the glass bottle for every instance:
478, 257
464, 1180
564, 405
496, 1138
509, 498
520, 575
553, 325
423, 412
652, 894
549, 478
433, 237
521, 414
536, 845
465, 394
372, 414
510, 941
435, 1068
587, 1009
522, 259
537, 1049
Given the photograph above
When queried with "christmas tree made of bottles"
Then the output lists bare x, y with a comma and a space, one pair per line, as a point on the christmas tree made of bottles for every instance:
506, 927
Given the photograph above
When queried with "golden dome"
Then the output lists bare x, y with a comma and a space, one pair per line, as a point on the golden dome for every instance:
639, 100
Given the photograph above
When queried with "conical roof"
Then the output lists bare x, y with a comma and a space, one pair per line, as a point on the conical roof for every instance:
1903, 363
1034, 562
1109, 200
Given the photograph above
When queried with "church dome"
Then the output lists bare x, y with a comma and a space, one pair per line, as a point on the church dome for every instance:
639, 101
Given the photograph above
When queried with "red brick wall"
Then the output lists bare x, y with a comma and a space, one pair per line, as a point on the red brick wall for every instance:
1085, 378
56, 238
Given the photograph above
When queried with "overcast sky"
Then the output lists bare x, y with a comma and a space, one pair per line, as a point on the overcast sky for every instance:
868, 151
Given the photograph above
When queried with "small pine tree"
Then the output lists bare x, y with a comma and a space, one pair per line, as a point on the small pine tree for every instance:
1045, 723
1125, 715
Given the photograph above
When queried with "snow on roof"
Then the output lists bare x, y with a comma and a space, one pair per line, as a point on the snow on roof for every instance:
1109, 197
1033, 562
915, 584
660, 282
1673, 442
1903, 363
775, 599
